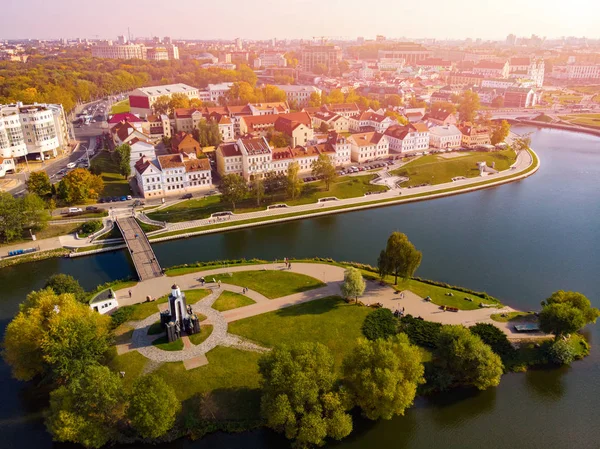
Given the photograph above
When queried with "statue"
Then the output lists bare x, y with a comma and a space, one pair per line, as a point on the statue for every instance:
179, 317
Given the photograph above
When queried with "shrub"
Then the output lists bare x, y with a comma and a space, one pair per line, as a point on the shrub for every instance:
89, 227
380, 323
496, 339
420, 332
561, 353
120, 316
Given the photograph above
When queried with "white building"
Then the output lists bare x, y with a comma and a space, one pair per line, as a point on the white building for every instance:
299, 95
37, 129
368, 146
172, 174
445, 137
216, 91
141, 100
412, 137
270, 60
104, 302
7, 166
370, 121
335, 122
125, 50
139, 150
576, 72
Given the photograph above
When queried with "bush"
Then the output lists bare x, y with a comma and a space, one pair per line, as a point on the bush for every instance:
120, 316
496, 339
89, 227
380, 323
561, 353
420, 332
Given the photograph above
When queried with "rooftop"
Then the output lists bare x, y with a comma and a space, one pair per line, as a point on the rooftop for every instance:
168, 89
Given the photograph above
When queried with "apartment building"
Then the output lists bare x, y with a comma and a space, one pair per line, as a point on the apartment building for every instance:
270, 60
445, 137
411, 137
333, 121
142, 99
229, 159
370, 121
38, 129
492, 69
125, 50
7, 165
409, 52
327, 55
159, 126
298, 94
473, 136
465, 79
172, 174
368, 146
576, 72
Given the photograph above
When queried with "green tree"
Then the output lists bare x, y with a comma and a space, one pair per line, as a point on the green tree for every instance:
383, 265
498, 102
11, 223
565, 312
39, 183
324, 127
78, 186
258, 189
298, 395
178, 100
500, 133
320, 69
401, 256
382, 376
401, 119
34, 214
560, 352
354, 284
162, 105
88, 409
56, 336
380, 323
122, 156
496, 339
314, 101
209, 134
461, 358
324, 169
234, 189
336, 96
293, 181
153, 406
277, 139
273, 93
64, 283
468, 106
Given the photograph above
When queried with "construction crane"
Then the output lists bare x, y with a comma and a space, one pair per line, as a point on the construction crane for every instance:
325, 37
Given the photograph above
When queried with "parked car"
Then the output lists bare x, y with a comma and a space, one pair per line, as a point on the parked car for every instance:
187, 196
138, 203
91, 208
71, 165
129, 197
75, 210
123, 198
101, 200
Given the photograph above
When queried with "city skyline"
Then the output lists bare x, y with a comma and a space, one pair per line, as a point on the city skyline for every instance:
296, 19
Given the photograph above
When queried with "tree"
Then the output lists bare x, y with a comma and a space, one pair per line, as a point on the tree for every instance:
122, 155
560, 352
461, 358
320, 69
394, 100
521, 143
380, 323
87, 409
162, 105
277, 139
178, 100
33, 212
566, 312
55, 336
336, 96
293, 181
324, 169
298, 395
382, 264
258, 189
354, 284
153, 406
39, 183
382, 376
324, 127
209, 134
500, 133
63, 283
314, 101
496, 339
402, 257
468, 106
401, 119
498, 102
233, 188
79, 185
575, 300
273, 93
445, 106
18, 214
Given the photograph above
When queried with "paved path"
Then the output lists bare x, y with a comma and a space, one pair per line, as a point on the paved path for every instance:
195, 355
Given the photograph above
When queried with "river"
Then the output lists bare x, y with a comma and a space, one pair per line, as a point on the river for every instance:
519, 242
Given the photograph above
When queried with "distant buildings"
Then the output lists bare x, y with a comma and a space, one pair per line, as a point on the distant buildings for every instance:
411, 137
38, 129
126, 50
327, 55
409, 52
576, 72
270, 60
297, 94
473, 136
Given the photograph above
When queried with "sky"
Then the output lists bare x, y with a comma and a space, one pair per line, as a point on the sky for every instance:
264, 19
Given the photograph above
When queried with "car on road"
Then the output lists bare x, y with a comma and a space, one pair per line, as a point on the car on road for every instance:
129, 197
74, 210
187, 196
138, 203
71, 165
123, 198
92, 208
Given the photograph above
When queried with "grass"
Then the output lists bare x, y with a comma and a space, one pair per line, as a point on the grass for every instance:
114, 183
270, 283
164, 344
195, 209
147, 227
591, 120
120, 107
435, 169
155, 328
114, 233
376, 203
193, 296
98, 214
197, 268
330, 321
204, 333
513, 316
145, 309
132, 363
230, 300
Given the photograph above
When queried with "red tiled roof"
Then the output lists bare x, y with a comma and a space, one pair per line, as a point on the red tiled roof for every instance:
230, 150
256, 145
489, 65
124, 116
251, 121
365, 139
197, 165
282, 153
520, 61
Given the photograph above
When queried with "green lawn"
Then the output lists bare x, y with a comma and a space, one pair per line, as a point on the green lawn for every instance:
330, 321
114, 233
592, 120
270, 283
193, 296
164, 344
513, 316
194, 209
145, 309
147, 227
99, 214
436, 169
121, 106
230, 300
114, 183
132, 363
204, 333
156, 328
48, 232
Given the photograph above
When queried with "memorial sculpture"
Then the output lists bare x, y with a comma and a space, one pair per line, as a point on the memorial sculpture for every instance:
179, 317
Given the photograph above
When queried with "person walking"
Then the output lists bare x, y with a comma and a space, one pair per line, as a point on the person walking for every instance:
130, 293
219, 283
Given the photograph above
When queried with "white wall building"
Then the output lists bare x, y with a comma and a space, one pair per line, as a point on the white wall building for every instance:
298, 94
576, 72
412, 137
270, 60
445, 137
370, 121
141, 100
368, 146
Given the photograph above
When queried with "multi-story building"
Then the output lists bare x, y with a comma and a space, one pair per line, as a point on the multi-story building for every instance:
159, 126
440, 117
368, 146
473, 136
576, 72
445, 137
327, 55
465, 79
188, 119
528, 68
157, 54
270, 60
498, 83
344, 109
407, 51
229, 159
298, 133
172, 174
259, 124
333, 121
520, 97
142, 99
299, 95
370, 121
183, 142
37, 129
127, 50
492, 69
7, 165
411, 137
140, 149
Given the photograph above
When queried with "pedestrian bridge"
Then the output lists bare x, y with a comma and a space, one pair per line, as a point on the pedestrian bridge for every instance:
141, 252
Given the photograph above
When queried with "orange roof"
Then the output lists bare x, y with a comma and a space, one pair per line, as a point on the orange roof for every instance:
282, 153
252, 121
197, 165
230, 150
300, 151
366, 139
171, 161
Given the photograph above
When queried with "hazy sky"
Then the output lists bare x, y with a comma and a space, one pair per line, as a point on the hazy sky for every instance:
262, 19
